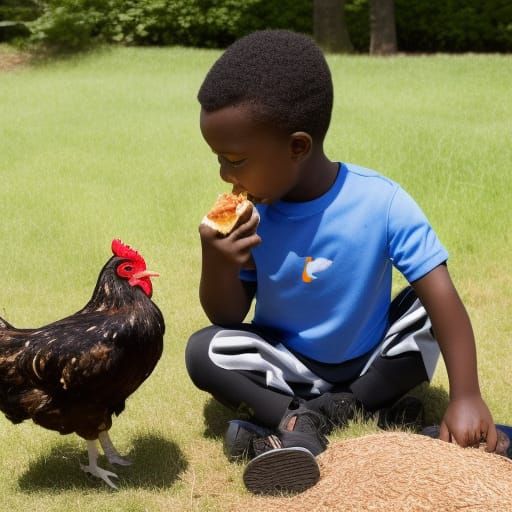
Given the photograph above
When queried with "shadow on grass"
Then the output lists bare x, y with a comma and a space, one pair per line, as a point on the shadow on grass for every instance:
435, 400
157, 462
216, 418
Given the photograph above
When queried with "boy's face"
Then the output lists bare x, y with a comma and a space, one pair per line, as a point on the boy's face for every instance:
253, 157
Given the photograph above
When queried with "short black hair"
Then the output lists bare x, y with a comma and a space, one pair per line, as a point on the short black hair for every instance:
282, 75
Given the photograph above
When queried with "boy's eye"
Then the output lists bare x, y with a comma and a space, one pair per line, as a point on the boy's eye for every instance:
232, 163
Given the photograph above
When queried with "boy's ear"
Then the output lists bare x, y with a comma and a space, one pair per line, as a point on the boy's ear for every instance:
301, 145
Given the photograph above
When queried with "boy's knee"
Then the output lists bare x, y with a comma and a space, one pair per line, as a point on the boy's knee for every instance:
196, 354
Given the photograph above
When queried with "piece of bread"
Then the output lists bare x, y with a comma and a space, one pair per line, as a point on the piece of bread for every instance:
225, 213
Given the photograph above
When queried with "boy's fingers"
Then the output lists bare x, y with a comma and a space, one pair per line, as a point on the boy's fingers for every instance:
244, 218
246, 214
247, 243
246, 228
444, 433
207, 231
491, 438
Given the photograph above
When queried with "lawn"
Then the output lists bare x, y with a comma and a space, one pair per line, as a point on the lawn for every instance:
108, 145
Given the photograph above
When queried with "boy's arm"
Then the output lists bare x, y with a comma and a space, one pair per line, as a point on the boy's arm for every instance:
224, 297
467, 418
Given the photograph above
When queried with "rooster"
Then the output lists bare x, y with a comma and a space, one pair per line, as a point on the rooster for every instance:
72, 375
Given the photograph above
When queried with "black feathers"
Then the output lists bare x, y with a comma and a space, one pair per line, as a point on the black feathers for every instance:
73, 374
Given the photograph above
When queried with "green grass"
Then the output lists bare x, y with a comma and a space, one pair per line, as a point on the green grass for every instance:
108, 145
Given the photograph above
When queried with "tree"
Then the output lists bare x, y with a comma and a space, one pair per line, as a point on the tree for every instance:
329, 26
382, 27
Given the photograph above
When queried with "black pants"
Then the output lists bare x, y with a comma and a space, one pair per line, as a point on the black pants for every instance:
387, 379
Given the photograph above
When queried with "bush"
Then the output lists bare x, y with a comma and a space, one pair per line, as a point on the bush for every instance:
69, 25
17, 12
76, 24
422, 25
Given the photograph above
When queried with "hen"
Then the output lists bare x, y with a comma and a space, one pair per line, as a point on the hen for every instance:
72, 375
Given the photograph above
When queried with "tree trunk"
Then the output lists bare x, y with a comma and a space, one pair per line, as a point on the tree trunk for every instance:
329, 26
382, 27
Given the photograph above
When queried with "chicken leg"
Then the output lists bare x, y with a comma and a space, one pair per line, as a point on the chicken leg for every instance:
110, 451
93, 468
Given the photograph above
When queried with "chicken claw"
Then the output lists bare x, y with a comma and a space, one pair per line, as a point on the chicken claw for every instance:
100, 473
93, 468
110, 451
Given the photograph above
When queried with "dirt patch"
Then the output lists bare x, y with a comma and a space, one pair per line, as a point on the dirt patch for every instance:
11, 60
401, 472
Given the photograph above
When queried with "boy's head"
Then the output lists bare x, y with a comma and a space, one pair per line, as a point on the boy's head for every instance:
281, 75
266, 102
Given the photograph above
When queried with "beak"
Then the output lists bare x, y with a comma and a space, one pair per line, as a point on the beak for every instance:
146, 273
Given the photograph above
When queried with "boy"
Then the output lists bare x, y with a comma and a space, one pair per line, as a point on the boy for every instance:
326, 341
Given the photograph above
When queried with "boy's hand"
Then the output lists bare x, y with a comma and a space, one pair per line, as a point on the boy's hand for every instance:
467, 421
235, 248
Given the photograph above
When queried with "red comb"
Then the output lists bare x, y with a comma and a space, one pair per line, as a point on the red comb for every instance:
125, 251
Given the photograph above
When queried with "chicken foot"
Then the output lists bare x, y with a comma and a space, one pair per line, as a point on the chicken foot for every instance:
93, 468
110, 451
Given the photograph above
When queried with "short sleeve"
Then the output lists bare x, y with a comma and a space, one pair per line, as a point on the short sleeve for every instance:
414, 247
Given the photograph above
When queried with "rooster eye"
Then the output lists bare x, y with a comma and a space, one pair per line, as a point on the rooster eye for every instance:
128, 268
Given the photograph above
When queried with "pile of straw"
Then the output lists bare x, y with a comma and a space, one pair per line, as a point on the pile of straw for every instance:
398, 472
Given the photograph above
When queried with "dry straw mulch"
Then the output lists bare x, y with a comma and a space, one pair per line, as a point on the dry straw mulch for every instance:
11, 60
398, 472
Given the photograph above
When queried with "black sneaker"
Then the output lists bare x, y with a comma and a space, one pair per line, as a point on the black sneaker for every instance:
303, 427
299, 427
240, 437
291, 470
285, 461
339, 409
406, 413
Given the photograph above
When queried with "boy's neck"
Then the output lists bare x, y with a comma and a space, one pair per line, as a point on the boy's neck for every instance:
318, 175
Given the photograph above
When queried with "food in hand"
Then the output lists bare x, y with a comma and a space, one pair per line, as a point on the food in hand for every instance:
226, 212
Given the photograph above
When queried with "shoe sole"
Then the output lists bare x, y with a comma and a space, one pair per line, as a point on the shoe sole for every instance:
282, 470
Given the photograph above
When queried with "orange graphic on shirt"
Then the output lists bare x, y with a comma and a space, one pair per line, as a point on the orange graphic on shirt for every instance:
312, 266
305, 276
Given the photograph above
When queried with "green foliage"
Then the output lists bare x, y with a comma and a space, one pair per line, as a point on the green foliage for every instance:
13, 14
69, 25
422, 25
207, 23
76, 24
18, 10
454, 25
440, 25
358, 24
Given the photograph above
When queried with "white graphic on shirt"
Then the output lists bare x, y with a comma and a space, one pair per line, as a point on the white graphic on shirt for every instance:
313, 266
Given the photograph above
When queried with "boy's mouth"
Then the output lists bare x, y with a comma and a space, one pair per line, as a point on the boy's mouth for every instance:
253, 199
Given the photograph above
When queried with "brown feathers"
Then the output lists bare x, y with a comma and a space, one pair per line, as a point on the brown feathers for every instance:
73, 374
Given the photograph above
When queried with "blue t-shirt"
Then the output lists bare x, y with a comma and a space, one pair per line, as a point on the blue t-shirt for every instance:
323, 269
